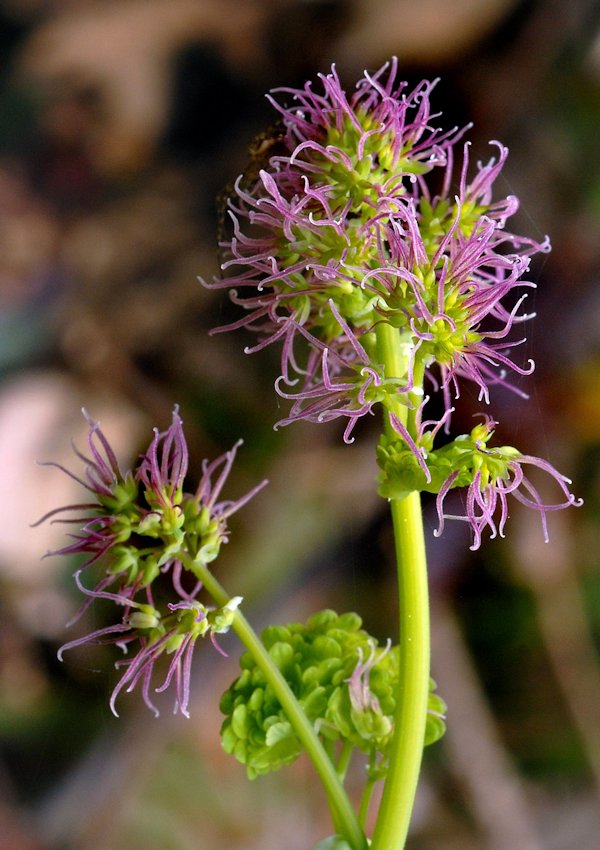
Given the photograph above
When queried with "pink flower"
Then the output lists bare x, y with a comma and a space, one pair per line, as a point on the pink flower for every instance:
491, 475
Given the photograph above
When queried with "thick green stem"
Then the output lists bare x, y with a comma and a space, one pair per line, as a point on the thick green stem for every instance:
413, 689
344, 817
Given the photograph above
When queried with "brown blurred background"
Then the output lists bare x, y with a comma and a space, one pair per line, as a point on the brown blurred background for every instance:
120, 121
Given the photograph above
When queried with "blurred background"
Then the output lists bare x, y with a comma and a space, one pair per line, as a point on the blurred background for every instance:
120, 122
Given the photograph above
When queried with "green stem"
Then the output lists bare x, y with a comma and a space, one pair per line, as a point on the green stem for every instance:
367, 793
344, 760
406, 752
344, 817
413, 687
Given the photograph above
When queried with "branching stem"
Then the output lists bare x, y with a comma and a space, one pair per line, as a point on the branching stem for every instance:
343, 814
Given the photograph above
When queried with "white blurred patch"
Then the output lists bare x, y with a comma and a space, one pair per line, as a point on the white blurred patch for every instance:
40, 417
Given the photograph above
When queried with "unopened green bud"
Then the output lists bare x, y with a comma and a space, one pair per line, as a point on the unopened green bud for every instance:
202, 521
436, 715
172, 521
174, 642
146, 617
211, 538
150, 525
345, 683
221, 619
481, 433
124, 558
151, 570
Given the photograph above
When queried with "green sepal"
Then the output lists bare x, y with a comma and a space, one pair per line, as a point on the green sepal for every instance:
123, 496
467, 455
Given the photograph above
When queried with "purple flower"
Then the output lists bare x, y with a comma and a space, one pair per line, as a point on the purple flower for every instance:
114, 493
491, 475
299, 205
340, 231
163, 468
142, 527
338, 381
174, 635
362, 699
381, 118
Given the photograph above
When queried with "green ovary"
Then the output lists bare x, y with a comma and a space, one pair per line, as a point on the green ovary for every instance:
448, 341
378, 163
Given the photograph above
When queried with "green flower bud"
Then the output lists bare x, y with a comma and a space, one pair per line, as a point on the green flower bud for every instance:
436, 714
125, 559
150, 525
146, 617
151, 569
221, 619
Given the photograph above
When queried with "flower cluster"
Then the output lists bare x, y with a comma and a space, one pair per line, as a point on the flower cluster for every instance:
345, 683
489, 474
345, 224
366, 221
149, 539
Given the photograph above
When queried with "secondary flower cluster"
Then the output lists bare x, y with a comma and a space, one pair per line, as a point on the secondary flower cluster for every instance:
147, 537
489, 474
362, 222
345, 683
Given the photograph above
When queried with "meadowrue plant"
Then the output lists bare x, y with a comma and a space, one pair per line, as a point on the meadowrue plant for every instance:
367, 245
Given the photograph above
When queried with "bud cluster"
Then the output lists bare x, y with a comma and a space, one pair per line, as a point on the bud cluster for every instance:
345, 682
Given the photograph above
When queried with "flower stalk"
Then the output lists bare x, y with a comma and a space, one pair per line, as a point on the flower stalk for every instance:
343, 815
413, 688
